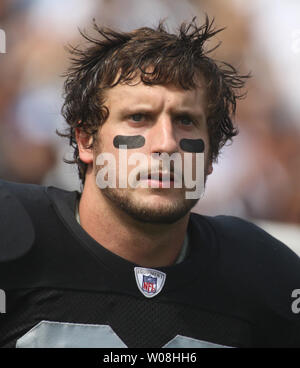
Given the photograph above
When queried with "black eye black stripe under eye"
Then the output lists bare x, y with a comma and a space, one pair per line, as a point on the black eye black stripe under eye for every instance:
131, 141
192, 145
137, 141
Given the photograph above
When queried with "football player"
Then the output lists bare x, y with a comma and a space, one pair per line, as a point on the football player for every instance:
125, 263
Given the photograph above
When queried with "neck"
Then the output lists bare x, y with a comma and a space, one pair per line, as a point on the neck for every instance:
145, 244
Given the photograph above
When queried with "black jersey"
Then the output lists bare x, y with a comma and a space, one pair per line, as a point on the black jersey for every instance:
63, 289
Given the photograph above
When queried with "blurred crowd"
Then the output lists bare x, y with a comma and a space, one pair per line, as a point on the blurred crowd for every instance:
257, 176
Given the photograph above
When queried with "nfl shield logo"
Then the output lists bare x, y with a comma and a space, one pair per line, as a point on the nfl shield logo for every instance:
149, 281
149, 284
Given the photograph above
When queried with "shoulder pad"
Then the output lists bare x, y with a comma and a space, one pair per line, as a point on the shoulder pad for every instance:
16, 229
242, 232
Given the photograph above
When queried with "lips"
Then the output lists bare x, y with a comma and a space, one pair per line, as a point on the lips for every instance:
162, 176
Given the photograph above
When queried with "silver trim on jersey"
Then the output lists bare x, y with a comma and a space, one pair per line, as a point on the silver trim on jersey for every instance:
188, 342
47, 334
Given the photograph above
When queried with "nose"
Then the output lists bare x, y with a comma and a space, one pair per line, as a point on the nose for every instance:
163, 137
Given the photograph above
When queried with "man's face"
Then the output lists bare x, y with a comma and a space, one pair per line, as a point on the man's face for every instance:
163, 115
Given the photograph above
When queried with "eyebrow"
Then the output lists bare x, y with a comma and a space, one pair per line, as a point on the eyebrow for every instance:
143, 108
133, 109
198, 115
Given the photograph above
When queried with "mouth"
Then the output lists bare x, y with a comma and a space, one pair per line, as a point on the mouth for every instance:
157, 179
166, 176
161, 180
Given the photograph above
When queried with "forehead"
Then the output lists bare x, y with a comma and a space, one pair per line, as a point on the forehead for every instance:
156, 96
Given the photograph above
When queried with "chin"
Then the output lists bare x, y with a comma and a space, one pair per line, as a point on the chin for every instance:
151, 207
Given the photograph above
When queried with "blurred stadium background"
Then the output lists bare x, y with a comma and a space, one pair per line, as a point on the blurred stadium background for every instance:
256, 178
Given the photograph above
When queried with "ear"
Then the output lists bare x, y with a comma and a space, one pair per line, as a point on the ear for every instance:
210, 168
84, 141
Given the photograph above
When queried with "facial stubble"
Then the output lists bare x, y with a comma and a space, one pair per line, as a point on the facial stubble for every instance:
125, 200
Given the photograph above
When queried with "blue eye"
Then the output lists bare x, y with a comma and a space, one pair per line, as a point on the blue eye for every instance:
185, 120
137, 117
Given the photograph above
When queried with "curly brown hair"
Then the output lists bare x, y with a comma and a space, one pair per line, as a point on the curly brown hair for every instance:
119, 57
